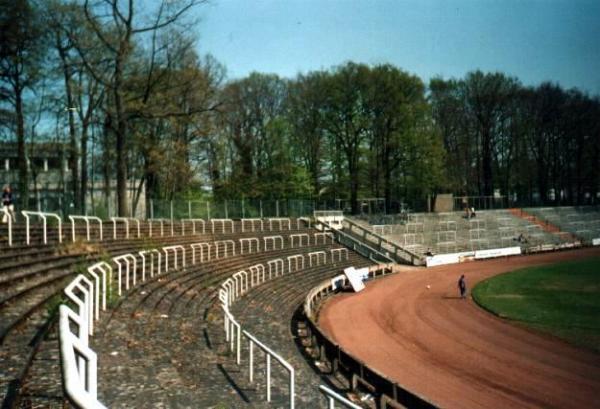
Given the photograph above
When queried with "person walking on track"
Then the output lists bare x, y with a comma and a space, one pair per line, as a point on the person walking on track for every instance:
462, 287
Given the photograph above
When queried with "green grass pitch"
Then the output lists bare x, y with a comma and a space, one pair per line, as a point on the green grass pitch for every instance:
561, 299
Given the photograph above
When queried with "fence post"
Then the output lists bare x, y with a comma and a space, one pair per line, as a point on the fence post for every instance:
152, 208
226, 210
261, 210
277, 208
207, 210
189, 209
243, 210
171, 213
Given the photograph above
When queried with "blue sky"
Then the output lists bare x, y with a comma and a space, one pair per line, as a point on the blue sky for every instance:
557, 40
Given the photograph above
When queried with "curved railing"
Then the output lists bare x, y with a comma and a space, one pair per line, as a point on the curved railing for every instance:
88, 295
388, 392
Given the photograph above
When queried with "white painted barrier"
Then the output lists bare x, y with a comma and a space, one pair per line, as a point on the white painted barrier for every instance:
8, 217
223, 222
125, 220
298, 260
273, 240
275, 266
340, 252
202, 247
152, 253
106, 271
317, 256
252, 223
323, 235
79, 364
193, 222
249, 241
333, 397
87, 220
299, 239
127, 259
281, 221
225, 244
44, 217
175, 249
162, 226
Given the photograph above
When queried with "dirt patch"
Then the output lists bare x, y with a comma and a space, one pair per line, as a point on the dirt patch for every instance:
453, 352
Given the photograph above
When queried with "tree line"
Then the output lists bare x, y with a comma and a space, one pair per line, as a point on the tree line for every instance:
122, 86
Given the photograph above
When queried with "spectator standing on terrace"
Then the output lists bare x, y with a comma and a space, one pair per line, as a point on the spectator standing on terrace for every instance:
7, 204
462, 287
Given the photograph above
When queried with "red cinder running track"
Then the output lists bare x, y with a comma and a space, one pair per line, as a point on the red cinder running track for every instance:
454, 353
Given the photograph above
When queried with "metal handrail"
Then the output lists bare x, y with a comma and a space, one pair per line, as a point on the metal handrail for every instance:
401, 253
222, 221
125, 258
252, 221
273, 240
280, 220
87, 220
126, 221
175, 250
43, 216
9, 218
193, 221
79, 365
333, 397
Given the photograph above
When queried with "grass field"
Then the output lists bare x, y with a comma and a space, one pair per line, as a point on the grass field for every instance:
562, 299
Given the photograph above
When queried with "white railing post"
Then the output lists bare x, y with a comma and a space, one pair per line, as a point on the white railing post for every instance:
44, 217
9, 219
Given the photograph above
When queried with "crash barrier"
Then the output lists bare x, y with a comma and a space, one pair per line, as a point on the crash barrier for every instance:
87, 220
156, 226
381, 244
126, 221
90, 294
387, 392
193, 223
44, 217
234, 288
8, 217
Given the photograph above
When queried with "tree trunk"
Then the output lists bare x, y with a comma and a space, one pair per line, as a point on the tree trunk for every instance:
23, 183
84, 168
121, 146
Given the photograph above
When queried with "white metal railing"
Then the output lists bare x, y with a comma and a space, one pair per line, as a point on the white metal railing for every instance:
302, 219
152, 253
257, 274
106, 270
128, 259
87, 220
200, 246
296, 258
299, 238
223, 223
125, 220
269, 353
318, 256
324, 236
273, 240
333, 397
27, 214
81, 292
193, 222
275, 266
252, 221
175, 249
79, 364
281, 221
249, 241
162, 226
225, 244
8, 217
339, 252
